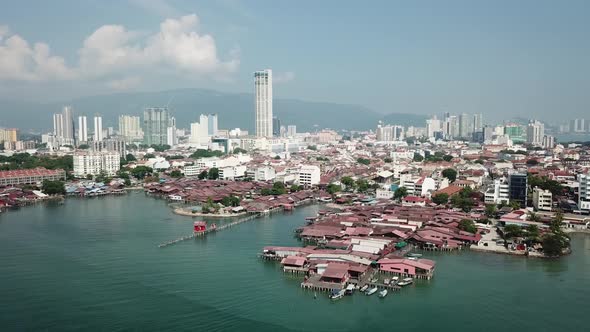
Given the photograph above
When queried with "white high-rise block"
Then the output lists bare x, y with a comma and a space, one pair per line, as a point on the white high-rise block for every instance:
263, 99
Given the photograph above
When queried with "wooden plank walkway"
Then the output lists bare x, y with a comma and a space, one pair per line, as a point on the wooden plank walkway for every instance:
209, 230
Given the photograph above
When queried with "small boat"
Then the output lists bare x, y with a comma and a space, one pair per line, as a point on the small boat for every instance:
364, 288
386, 281
414, 255
405, 282
383, 293
394, 280
373, 281
337, 294
372, 291
350, 289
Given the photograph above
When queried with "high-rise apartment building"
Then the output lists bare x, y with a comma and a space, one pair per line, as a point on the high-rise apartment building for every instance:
263, 102
291, 130
98, 135
477, 122
432, 126
155, 122
95, 163
82, 129
130, 128
8, 135
465, 129
535, 132
58, 130
68, 125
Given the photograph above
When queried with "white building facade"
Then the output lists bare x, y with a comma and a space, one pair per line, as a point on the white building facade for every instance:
95, 163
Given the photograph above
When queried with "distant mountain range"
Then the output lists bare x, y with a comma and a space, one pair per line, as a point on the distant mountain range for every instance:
235, 110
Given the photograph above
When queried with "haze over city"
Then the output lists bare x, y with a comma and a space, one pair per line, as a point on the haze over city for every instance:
503, 58
228, 165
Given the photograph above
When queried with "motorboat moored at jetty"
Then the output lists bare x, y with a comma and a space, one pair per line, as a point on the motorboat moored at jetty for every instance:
383, 293
372, 291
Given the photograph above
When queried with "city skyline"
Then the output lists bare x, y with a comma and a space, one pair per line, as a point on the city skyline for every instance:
463, 77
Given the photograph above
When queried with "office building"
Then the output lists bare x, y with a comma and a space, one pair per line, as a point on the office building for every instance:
465, 129
477, 122
130, 128
82, 129
433, 126
95, 163
515, 132
276, 127
212, 125
308, 175
498, 193
155, 122
518, 188
263, 102
390, 133
200, 130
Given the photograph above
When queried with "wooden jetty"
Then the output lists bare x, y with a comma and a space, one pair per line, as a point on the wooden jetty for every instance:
205, 231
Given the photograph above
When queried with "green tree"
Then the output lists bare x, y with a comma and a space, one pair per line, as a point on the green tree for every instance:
176, 173
511, 231
400, 193
418, 157
53, 187
312, 147
230, 201
363, 161
295, 187
333, 188
388, 160
362, 185
447, 157
213, 173
239, 150
201, 153
203, 175
83, 146
149, 156
491, 210
532, 232
130, 157
278, 188
467, 225
141, 172
440, 199
515, 205
553, 245
450, 174
348, 182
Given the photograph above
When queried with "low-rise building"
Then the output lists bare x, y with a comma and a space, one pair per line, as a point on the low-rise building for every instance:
498, 193
31, 176
542, 199
584, 192
308, 175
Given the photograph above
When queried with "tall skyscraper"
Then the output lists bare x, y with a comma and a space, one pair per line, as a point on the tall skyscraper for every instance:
291, 130
465, 125
155, 122
276, 126
432, 126
68, 125
58, 129
263, 96
212, 124
98, 128
171, 138
200, 130
82, 129
130, 128
477, 122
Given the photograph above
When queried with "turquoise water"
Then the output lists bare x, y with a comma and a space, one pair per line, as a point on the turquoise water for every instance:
94, 265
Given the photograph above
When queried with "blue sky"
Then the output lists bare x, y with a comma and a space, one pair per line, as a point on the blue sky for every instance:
503, 58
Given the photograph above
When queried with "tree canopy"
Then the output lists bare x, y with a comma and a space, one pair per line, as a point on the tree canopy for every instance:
450, 174
202, 153
440, 199
53, 187
400, 193
467, 225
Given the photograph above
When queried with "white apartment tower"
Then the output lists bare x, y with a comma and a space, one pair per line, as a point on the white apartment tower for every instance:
68, 125
130, 128
263, 97
535, 132
98, 128
82, 129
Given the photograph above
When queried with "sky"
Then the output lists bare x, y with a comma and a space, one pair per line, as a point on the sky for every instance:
503, 58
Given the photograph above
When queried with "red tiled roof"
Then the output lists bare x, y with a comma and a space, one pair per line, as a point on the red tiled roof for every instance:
40, 171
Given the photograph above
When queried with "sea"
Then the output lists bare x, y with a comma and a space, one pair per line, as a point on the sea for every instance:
94, 265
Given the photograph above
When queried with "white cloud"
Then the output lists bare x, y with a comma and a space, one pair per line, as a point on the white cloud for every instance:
126, 83
283, 77
112, 49
19, 61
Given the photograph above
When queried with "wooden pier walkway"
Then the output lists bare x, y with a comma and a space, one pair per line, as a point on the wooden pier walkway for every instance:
209, 230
